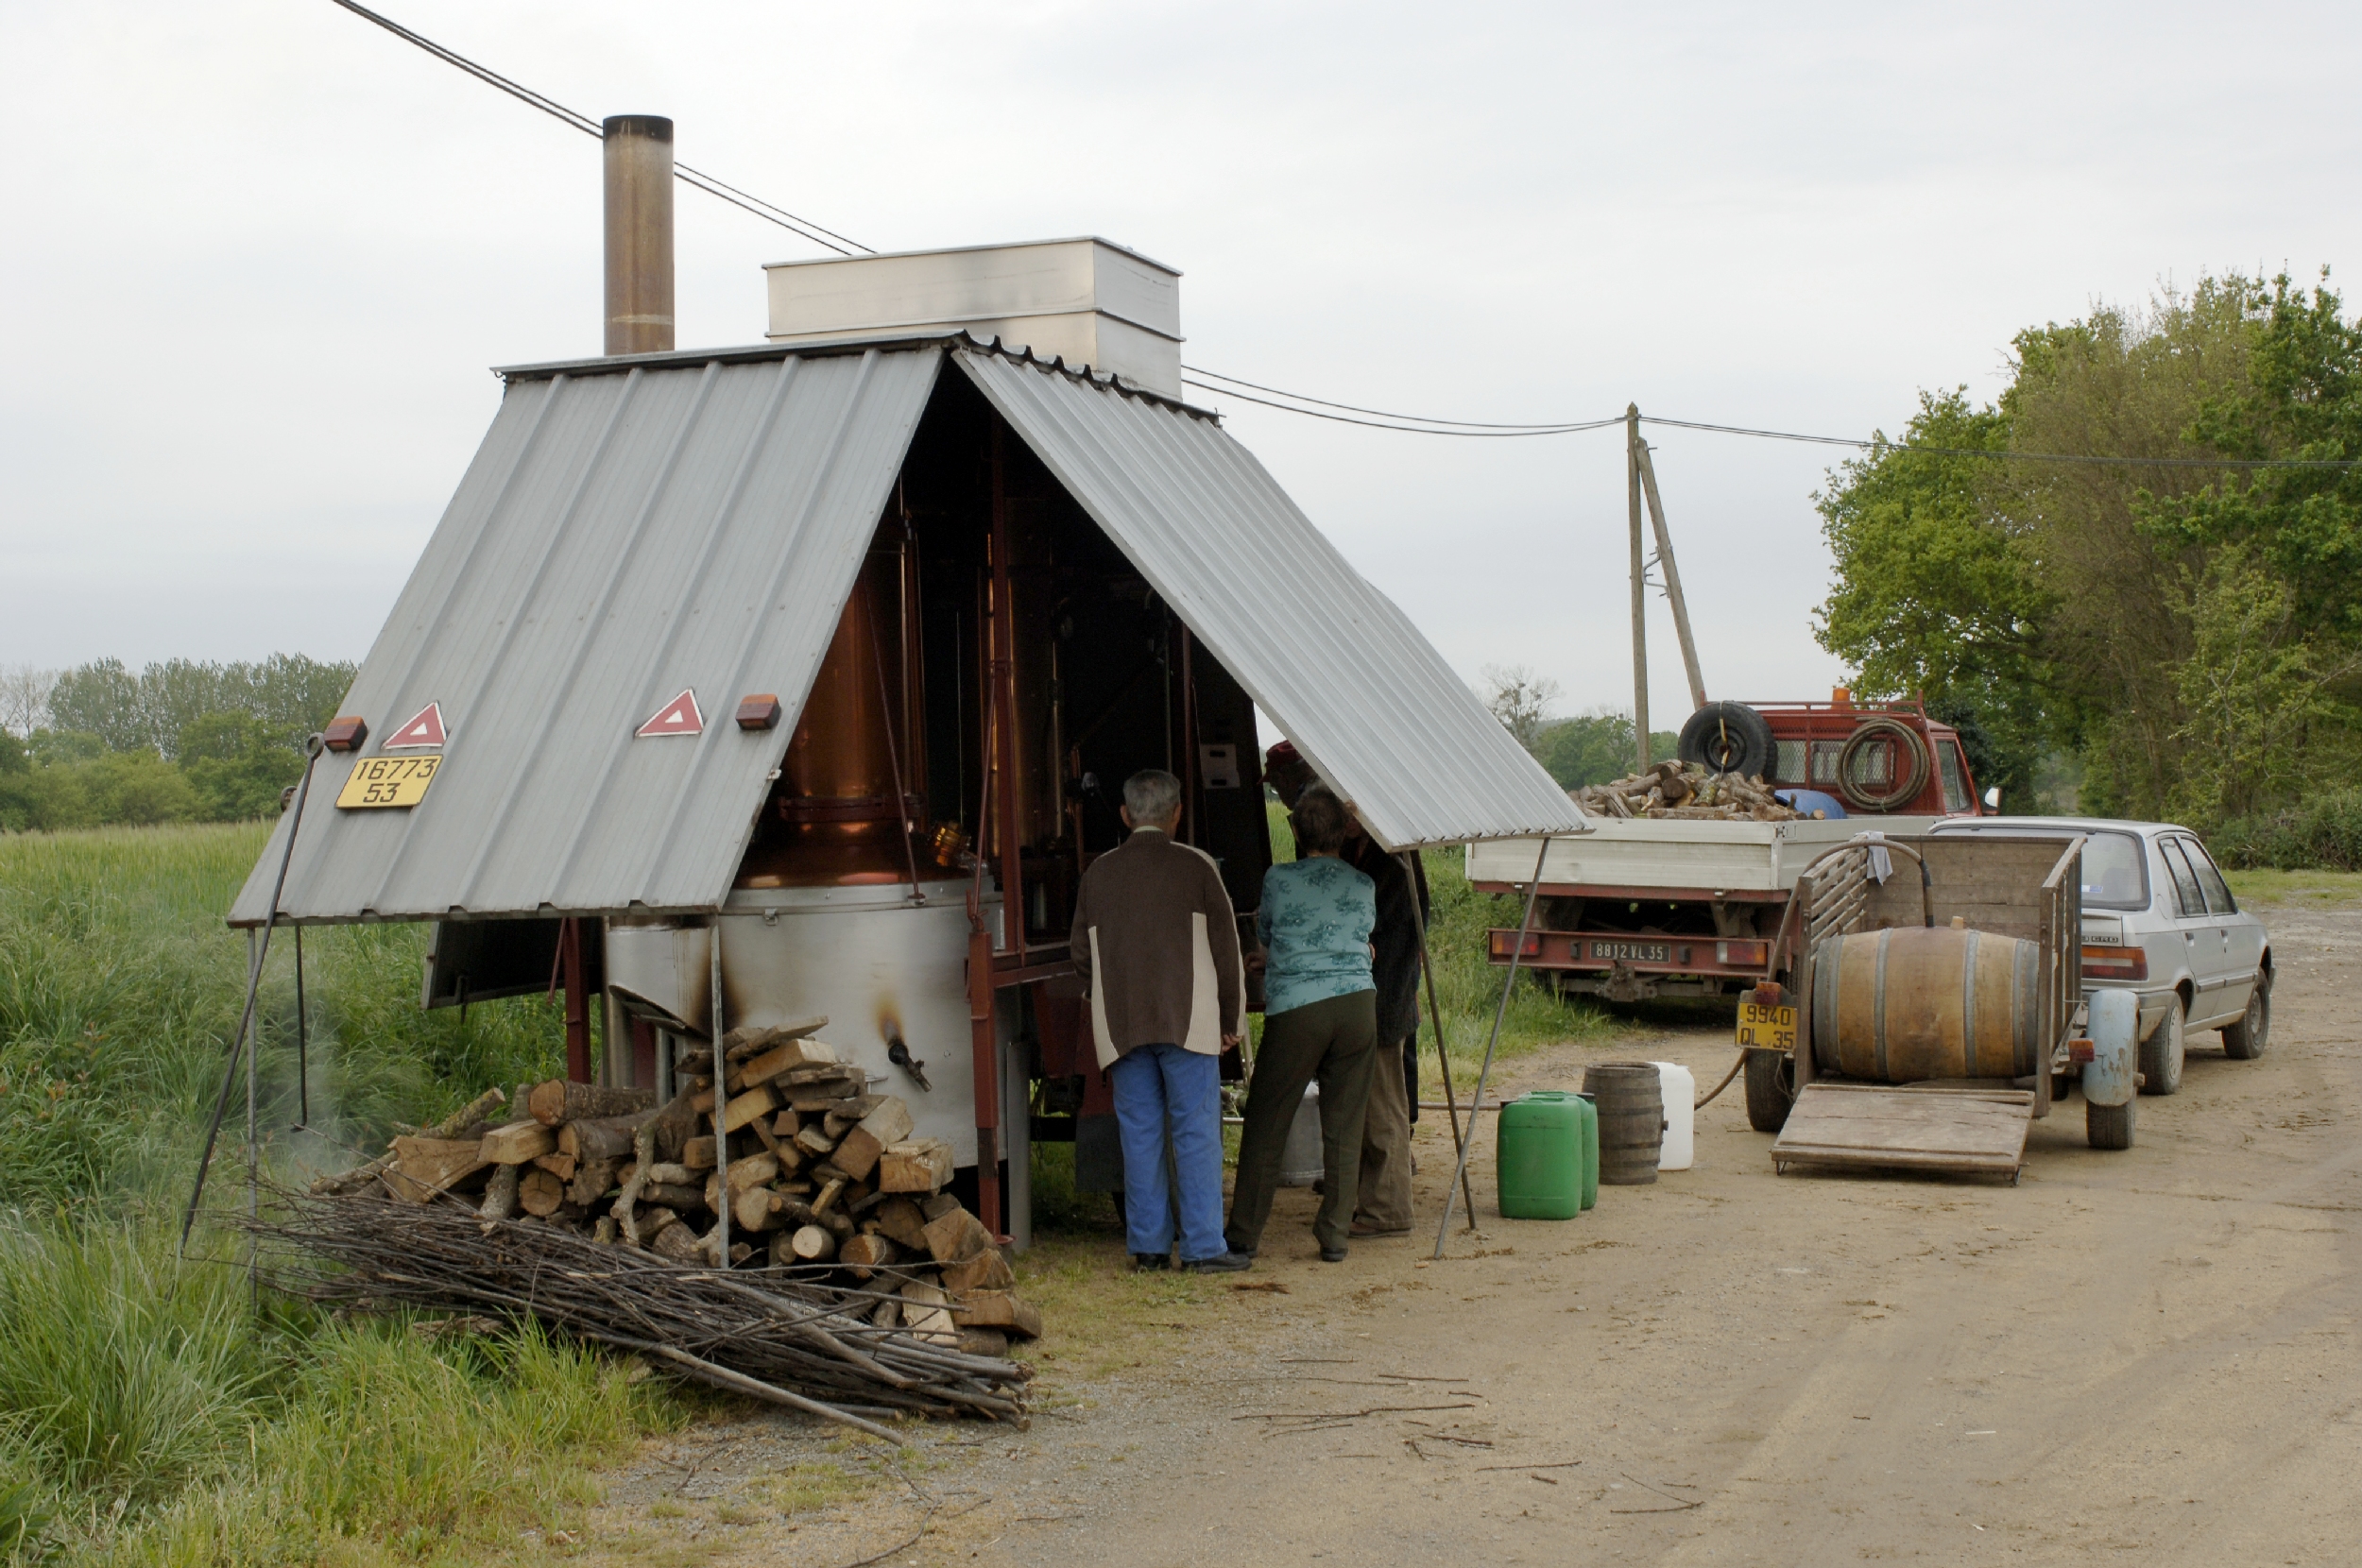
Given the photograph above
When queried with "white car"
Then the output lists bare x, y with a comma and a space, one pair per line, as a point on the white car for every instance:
2160, 921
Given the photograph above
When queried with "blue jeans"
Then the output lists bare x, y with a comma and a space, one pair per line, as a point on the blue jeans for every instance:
1160, 1088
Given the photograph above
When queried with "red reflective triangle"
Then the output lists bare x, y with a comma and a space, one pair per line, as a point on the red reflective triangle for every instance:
677, 717
426, 728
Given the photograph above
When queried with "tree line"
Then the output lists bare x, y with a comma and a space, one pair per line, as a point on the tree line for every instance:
180, 741
1588, 748
2178, 638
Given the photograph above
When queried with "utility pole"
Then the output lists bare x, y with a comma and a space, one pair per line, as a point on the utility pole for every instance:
1672, 580
1632, 460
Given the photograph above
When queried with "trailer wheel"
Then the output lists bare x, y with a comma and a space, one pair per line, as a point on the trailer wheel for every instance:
1771, 1089
2161, 1053
1728, 738
2110, 1126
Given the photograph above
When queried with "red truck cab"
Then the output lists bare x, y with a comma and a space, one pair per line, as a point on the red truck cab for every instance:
1866, 753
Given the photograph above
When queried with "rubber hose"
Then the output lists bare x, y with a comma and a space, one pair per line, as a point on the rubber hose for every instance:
1727, 1080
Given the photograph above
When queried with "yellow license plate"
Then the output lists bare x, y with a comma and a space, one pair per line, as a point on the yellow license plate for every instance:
388, 781
1767, 1027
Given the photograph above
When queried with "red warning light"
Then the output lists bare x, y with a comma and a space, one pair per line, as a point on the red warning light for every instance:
422, 732
677, 717
346, 734
759, 712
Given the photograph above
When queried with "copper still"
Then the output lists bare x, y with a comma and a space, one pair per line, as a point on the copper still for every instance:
846, 803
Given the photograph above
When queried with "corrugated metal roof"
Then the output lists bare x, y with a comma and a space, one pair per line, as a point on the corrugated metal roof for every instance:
1329, 658
619, 536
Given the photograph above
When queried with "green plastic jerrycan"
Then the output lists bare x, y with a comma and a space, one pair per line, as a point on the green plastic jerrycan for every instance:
1541, 1147
1590, 1151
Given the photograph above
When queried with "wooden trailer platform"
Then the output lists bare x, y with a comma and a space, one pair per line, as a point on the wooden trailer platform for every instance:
1838, 1126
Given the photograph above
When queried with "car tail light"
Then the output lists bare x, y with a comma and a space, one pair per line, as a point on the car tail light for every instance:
1746, 955
2115, 964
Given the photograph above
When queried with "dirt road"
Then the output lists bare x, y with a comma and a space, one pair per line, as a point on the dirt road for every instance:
2153, 1352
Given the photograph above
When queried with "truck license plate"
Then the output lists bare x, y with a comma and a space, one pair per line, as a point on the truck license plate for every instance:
1633, 952
378, 781
1767, 1027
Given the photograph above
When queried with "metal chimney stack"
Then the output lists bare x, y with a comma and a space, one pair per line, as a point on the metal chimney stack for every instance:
638, 158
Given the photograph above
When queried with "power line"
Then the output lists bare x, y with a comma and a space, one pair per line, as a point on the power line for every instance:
575, 118
1880, 444
1403, 429
1553, 427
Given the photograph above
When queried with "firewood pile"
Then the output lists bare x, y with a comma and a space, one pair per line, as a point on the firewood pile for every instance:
829, 1196
1687, 792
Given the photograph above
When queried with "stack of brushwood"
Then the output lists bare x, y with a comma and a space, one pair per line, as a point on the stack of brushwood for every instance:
1685, 790
825, 1184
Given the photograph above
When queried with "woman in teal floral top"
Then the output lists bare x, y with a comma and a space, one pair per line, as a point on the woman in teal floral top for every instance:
1320, 1021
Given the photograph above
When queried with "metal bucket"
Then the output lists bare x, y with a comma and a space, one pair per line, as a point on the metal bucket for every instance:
1300, 1163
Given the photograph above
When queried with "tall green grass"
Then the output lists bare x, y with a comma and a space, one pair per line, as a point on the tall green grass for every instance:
151, 1409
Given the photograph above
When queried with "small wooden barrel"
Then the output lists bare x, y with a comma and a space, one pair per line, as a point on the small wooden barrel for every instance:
1631, 1120
1911, 1004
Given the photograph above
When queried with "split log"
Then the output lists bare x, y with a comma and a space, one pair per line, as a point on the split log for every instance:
814, 1140
828, 1196
999, 1309
426, 1166
927, 1315
745, 1041
759, 1209
672, 1194
678, 1242
602, 1138
561, 1166
936, 1205
519, 1142
354, 1180
787, 1123
922, 1164
814, 1244
865, 1253
593, 1182
787, 1056
697, 1155
987, 1270
538, 1193
886, 1124
561, 1101
983, 1341
899, 1218
957, 1236
756, 1102
500, 1193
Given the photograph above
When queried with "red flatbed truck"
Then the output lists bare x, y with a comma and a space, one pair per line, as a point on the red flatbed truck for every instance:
1649, 907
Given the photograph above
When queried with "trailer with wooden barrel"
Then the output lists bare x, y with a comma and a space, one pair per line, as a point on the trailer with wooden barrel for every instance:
1937, 1011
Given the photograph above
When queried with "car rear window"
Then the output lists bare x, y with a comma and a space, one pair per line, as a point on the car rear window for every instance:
2112, 875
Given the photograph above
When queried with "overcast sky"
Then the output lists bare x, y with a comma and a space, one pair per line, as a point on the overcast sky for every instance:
260, 254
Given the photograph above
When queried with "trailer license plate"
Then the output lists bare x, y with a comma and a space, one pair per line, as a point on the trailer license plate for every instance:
377, 781
1767, 1027
1633, 952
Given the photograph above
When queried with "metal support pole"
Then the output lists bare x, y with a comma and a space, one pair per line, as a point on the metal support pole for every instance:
1435, 1019
258, 954
1639, 585
578, 1000
1673, 580
1500, 1014
253, 1140
721, 1102
303, 1044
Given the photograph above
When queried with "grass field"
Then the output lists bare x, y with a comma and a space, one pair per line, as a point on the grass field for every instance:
2295, 887
151, 1410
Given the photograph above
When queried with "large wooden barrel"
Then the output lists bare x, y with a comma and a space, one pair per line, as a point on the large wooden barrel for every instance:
1631, 1120
1909, 1003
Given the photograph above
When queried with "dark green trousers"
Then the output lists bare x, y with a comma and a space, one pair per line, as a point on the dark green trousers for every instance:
1331, 1041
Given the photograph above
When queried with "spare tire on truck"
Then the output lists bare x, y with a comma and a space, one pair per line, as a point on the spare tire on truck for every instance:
1728, 738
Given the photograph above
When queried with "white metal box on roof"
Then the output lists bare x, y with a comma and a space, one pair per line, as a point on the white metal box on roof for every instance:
1085, 301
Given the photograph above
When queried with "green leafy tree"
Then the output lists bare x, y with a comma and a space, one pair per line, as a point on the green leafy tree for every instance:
236, 765
1594, 747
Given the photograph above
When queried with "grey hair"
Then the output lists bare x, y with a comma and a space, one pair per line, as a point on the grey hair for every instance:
1152, 795
1320, 821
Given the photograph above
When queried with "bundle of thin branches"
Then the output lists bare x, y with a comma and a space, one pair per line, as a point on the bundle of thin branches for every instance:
766, 1333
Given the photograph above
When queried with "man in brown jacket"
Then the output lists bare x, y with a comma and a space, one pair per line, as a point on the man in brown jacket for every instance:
1157, 947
